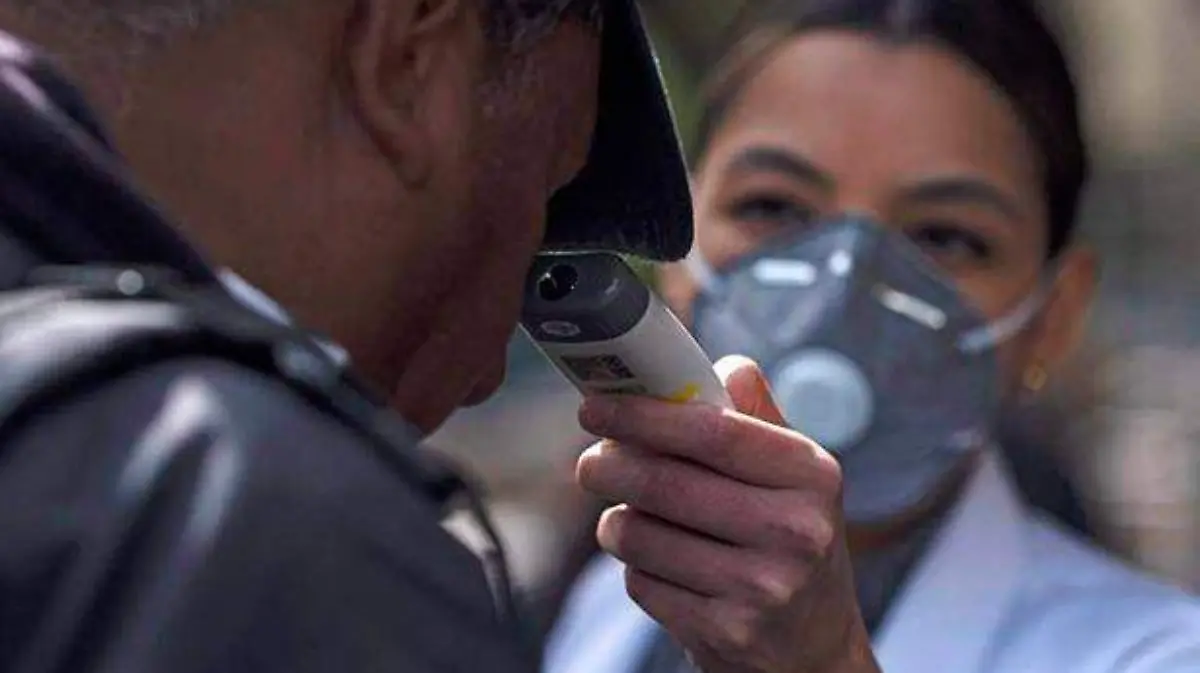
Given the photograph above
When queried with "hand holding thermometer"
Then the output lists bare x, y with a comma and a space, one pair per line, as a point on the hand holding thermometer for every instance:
608, 333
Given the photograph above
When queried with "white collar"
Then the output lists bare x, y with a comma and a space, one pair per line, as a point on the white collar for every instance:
964, 585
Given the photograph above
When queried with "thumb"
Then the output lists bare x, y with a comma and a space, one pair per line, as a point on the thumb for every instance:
749, 389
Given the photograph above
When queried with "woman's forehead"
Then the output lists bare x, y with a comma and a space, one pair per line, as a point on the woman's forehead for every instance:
859, 107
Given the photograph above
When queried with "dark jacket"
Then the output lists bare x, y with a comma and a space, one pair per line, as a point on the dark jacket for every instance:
197, 516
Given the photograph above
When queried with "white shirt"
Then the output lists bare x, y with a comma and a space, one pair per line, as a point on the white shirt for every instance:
1000, 590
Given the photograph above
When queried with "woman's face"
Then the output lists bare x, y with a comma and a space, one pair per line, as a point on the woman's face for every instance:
837, 122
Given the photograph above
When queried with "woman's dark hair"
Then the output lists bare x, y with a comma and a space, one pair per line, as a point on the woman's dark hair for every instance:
1006, 39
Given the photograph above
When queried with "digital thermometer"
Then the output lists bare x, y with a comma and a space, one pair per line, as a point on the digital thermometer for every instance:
608, 333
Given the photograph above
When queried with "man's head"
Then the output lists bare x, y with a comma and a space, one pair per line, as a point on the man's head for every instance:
379, 166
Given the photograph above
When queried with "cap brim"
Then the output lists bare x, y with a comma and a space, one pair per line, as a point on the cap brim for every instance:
632, 196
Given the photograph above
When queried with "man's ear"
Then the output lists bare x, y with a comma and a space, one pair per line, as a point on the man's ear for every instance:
396, 51
1065, 316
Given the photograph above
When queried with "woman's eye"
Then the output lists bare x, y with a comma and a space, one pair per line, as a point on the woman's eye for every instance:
771, 209
951, 242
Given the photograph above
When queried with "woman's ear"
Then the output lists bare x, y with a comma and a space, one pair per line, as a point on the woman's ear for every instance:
1065, 316
400, 56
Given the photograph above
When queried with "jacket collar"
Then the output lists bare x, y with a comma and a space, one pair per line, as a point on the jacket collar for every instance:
965, 584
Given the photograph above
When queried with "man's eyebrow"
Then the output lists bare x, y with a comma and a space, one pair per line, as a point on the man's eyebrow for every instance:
963, 189
785, 162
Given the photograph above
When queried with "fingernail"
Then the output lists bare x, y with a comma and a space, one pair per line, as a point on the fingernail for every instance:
730, 365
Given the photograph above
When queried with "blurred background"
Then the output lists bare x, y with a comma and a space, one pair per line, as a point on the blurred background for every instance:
1125, 419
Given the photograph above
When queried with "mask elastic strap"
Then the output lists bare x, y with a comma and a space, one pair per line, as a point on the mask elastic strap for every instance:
999, 331
703, 273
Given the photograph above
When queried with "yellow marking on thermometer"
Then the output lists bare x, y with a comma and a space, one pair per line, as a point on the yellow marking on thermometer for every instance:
685, 394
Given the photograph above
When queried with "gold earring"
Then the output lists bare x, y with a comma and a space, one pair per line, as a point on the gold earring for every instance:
1035, 378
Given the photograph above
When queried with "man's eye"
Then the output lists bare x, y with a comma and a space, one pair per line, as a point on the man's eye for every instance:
771, 209
950, 242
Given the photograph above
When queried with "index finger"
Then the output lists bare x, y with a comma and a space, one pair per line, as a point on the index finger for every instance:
736, 445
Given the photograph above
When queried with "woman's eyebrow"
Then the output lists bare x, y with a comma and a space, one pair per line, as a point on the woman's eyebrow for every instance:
778, 160
963, 189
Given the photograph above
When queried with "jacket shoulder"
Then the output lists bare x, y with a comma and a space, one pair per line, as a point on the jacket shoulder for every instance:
226, 526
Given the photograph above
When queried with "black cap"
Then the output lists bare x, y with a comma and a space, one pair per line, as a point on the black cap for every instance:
632, 196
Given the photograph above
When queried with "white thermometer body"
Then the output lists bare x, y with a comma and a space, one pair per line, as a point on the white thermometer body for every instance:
608, 333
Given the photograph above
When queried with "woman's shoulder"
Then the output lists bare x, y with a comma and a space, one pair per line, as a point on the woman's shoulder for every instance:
1063, 560
1091, 611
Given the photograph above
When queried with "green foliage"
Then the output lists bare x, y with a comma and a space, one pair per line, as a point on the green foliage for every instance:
645, 269
682, 88
681, 80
